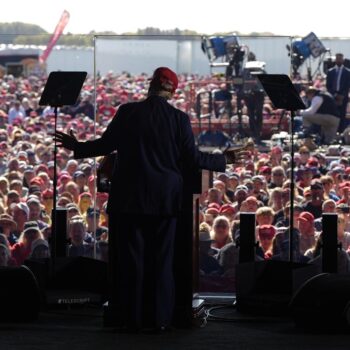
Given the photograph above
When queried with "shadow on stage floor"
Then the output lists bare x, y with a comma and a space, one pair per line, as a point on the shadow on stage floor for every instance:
82, 328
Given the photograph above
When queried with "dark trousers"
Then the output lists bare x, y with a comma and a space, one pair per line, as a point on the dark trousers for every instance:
255, 103
344, 122
141, 269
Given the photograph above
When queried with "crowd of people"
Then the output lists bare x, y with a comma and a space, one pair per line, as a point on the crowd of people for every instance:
260, 184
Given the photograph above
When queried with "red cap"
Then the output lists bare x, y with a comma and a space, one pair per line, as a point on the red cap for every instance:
306, 216
164, 75
214, 205
37, 181
276, 150
212, 211
227, 209
312, 161
47, 193
266, 231
265, 169
344, 184
85, 194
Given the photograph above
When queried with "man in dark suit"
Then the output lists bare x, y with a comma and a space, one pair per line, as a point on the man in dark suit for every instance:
154, 142
338, 85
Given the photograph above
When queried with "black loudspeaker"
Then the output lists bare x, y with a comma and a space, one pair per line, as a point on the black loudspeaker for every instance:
266, 287
80, 273
323, 303
247, 244
19, 295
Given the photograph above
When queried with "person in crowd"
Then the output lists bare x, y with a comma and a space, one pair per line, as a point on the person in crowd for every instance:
85, 106
264, 216
328, 206
266, 233
275, 200
315, 255
80, 179
77, 235
221, 232
4, 255
35, 211
23, 248
20, 216
47, 201
241, 194
40, 249
343, 235
328, 187
306, 228
94, 229
338, 85
8, 226
12, 198
259, 189
85, 201
208, 265
314, 205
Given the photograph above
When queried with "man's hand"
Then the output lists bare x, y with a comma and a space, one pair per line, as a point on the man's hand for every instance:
65, 140
236, 155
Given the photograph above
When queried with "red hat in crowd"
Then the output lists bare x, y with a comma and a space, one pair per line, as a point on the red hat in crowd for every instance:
344, 184
164, 75
214, 205
265, 170
306, 216
64, 177
263, 156
85, 194
227, 209
312, 161
37, 181
42, 168
266, 231
47, 193
276, 150
213, 210
251, 199
102, 195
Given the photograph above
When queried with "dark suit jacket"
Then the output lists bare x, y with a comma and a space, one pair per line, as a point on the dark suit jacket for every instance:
344, 85
154, 142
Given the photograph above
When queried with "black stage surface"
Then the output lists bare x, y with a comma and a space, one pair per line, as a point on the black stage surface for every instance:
81, 328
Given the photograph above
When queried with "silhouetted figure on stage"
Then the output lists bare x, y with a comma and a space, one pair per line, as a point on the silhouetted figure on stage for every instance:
154, 142
255, 102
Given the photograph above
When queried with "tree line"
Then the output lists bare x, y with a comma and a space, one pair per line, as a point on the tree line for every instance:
31, 34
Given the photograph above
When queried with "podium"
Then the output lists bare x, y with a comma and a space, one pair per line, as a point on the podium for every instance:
61, 89
188, 307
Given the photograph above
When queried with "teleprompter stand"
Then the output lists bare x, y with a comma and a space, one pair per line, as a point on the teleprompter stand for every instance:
61, 89
283, 95
257, 291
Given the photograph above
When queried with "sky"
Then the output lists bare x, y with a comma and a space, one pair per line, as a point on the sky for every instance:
281, 17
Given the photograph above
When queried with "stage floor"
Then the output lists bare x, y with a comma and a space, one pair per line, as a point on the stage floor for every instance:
82, 329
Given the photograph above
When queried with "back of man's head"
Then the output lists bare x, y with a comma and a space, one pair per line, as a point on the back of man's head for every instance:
163, 80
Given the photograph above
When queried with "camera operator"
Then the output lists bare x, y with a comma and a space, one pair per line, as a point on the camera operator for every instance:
322, 111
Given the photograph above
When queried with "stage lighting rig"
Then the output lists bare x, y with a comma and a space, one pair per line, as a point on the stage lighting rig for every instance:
304, 48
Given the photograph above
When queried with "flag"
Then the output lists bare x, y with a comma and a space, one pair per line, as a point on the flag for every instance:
55, 36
